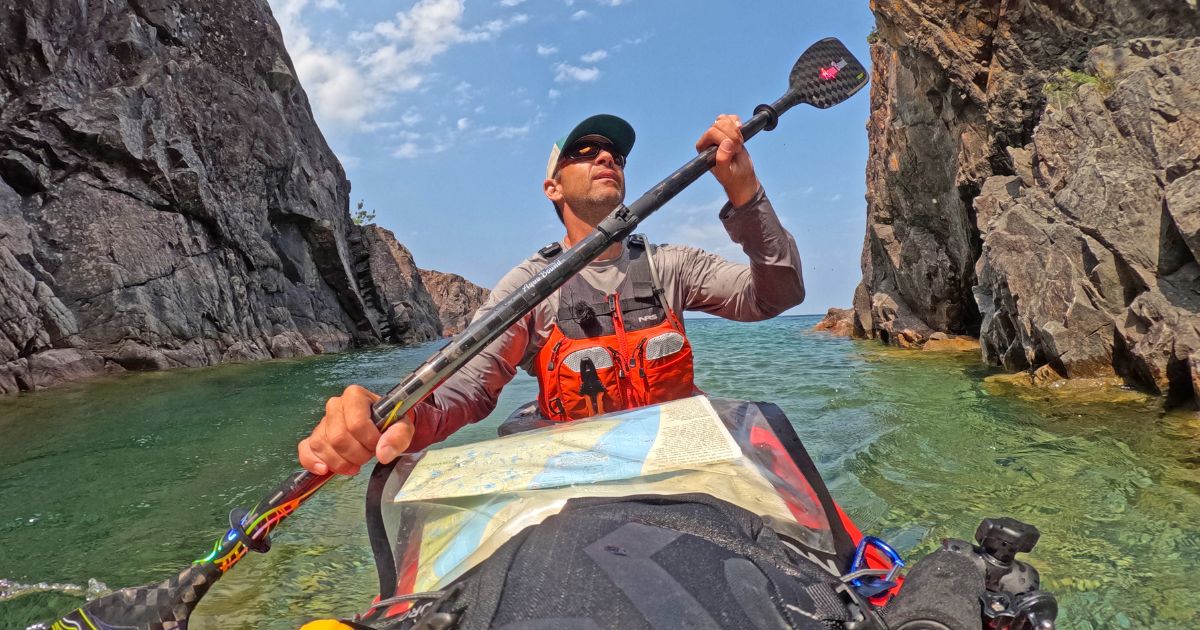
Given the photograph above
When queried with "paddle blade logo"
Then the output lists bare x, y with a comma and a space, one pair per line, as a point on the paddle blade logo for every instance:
825, 75
830, 73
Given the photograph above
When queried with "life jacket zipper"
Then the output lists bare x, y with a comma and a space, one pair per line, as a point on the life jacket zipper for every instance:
633, 360
622, 355
554, 355
619, 326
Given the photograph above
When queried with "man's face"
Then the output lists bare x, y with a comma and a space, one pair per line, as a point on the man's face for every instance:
591, 178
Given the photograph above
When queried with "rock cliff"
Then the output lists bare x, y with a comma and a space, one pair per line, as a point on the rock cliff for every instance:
456, 298
1032, 180
411, 315
166, 198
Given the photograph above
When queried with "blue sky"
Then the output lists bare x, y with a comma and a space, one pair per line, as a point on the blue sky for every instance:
443, 113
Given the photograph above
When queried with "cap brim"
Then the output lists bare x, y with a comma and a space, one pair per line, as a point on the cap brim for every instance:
619, 132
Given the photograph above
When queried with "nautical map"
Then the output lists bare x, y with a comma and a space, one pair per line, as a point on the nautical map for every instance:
678, 435
473, 498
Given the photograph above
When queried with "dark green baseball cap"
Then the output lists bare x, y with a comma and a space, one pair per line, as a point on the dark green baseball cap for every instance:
619, 132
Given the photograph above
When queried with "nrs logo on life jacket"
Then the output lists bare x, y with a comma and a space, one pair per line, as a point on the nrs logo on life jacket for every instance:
616, 351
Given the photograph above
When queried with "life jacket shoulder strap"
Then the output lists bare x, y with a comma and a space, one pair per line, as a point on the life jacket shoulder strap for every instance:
641, 268
641, 288
655, 279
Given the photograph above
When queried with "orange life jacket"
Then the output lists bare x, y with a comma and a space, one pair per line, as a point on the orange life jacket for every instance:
613, 352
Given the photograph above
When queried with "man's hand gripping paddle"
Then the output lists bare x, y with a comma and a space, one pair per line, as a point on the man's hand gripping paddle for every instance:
825, 75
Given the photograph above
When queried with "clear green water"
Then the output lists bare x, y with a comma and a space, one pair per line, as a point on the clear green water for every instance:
127, 480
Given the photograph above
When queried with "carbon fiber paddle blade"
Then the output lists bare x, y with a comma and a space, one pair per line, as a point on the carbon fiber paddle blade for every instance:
826, 74
163, 606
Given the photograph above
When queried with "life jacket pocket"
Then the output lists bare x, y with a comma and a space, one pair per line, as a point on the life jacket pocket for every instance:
589, 383
666, 362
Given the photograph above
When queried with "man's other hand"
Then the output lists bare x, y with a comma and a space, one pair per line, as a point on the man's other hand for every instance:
733, 169
346, 438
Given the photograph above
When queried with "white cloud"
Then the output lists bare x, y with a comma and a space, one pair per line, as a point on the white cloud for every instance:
631, 41
463, 93
579, 15
566, 72
394, 57
837, 197
504, 132
553, 93
411, 117
406, 151
594, 56
358, 88
489, 30
382, 125
546, 51
612, 3
415, 38
339, 91
418, 146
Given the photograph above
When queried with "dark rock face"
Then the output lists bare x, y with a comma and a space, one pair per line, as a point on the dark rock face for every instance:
399, 293
1054, 215
1089, 257
456, 298
166, 198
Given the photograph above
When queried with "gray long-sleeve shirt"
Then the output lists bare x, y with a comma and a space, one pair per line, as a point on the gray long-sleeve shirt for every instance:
692, 279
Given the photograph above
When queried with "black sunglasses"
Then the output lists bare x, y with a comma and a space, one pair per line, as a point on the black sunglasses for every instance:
586, 150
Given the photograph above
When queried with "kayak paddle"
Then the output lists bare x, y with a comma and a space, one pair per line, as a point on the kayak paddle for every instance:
825, 75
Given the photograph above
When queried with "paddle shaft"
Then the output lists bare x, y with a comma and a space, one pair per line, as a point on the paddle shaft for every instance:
825, 74
294, 490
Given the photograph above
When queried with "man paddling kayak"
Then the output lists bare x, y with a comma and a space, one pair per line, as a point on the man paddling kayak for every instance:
612, 337
825, 74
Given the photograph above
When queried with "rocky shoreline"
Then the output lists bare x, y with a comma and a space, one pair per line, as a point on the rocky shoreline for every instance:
1034, 182
167, 200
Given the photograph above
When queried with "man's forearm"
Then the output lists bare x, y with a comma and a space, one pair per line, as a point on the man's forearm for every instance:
468, 396
776, 276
